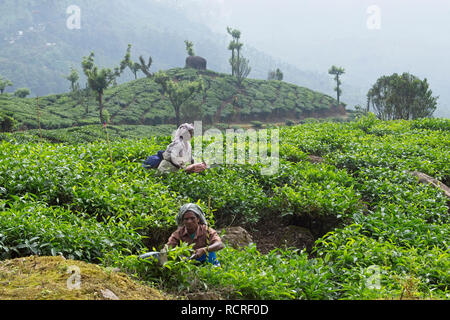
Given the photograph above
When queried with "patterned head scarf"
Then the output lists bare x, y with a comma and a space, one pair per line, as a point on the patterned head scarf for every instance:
194, 208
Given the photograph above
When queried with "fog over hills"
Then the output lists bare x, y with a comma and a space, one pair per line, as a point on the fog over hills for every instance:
303, 38
313, 35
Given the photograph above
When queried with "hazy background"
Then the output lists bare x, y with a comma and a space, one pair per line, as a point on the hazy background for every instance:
304, 38
313, 35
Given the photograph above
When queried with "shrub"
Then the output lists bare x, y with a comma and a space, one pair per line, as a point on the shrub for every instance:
31, 228
22, 92
7, 123
257, 124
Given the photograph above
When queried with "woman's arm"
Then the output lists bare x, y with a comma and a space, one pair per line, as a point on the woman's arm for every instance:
214, 243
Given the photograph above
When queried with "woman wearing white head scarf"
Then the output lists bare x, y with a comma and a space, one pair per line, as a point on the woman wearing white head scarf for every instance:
178, 154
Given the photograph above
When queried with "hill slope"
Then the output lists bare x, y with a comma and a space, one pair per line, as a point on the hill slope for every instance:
37, 49
139, 102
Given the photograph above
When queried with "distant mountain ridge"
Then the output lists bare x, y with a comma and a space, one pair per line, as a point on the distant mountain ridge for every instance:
37, 49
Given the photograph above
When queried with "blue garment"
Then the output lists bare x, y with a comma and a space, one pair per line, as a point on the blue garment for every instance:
212, 258
153, 162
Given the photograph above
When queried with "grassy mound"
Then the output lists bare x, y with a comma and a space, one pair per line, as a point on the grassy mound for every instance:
55, 278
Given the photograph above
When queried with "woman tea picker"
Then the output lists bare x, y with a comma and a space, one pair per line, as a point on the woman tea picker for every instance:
178, 154
193, 228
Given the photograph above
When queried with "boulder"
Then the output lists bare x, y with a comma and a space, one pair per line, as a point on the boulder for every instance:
235, 237
314, 159
108, 294
196, 62
423, 178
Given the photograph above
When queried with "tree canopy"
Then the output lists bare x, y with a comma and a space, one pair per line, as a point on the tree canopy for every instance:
239, 65
337, 72
275, 75
189, 48
100, 79
4, 83
73, 78
401, 97
177, 92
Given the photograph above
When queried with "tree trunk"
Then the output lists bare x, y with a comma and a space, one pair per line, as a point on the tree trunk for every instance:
368, 104
177, 116
337, 91
232, 62
238, 63
100, 101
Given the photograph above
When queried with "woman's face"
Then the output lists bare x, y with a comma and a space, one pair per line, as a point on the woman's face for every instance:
190, 221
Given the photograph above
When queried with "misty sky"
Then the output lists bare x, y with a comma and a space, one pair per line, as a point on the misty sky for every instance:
315, 34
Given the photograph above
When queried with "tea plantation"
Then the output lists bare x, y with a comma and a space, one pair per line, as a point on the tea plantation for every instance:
380, 233
140, 102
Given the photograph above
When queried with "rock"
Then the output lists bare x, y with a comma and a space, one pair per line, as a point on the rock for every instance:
423, 178
236, 237
314, 159
196, 62
109, 295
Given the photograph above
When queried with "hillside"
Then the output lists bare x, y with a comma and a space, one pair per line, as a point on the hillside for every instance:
139, 102
375, 231
37, 49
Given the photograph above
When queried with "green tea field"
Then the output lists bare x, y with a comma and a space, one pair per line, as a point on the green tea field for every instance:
378, 232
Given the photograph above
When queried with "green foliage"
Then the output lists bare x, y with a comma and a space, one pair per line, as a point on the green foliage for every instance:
73, 78
431, 124
22, 92
7, 123
337, 72
189, 48
100, 79
140, 102
402, 97
3, 84
278, 275
275, 75
365, 123
353, 254
234, 198
176, 274
178, 93
374, 216
314, 199
239, 65
32, 228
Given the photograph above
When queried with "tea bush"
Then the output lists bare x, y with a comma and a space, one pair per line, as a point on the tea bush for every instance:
32, 228
280, 275
393, 230
234, 198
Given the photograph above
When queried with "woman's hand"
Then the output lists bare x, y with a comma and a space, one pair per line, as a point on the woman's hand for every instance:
200, 252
